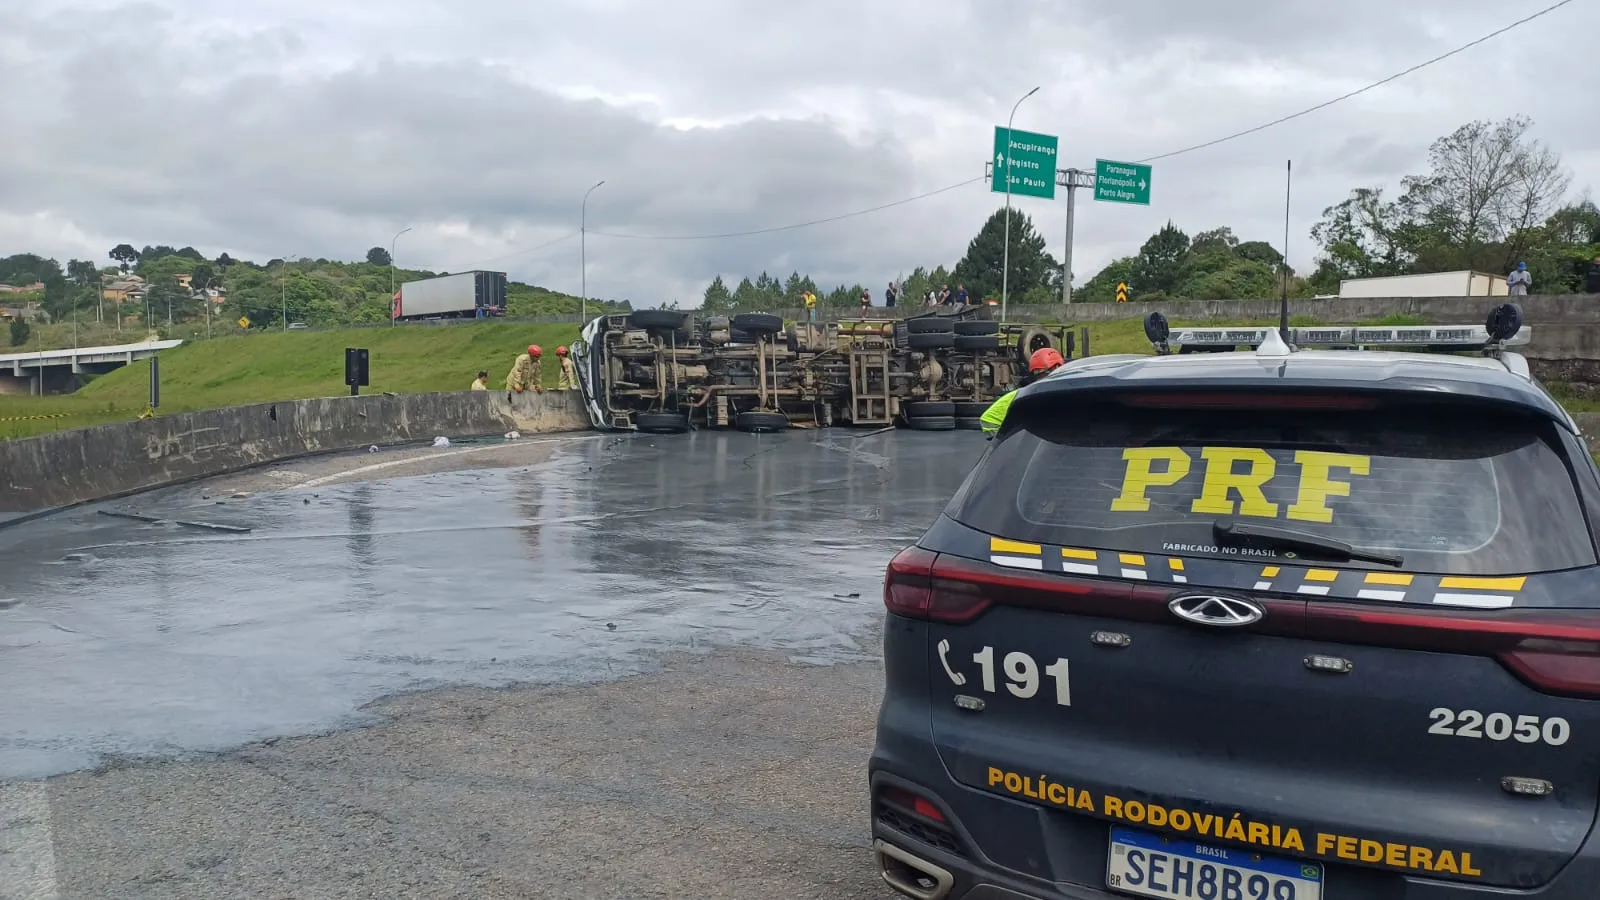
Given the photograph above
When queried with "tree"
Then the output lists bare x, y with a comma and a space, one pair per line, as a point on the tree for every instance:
717, 298
378, 256
745, 295
19, 331
81, 271
1489, 185
224, 261
981, 268
55, 300
1161, 260
125, 255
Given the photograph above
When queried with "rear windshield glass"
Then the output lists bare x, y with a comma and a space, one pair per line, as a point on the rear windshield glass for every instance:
1448, 492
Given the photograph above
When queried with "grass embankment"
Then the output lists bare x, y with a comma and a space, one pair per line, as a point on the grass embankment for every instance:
294, 365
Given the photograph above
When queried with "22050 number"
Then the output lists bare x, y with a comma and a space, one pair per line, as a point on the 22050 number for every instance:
1469, 723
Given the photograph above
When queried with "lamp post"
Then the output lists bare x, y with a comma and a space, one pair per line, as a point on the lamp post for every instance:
583, 255
283, 286
1005, 259
392, 242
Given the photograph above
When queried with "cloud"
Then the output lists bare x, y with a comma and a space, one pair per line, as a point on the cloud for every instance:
293, 128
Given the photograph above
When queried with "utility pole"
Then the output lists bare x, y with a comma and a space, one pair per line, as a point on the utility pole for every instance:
283, 286
391, 270
1075, 178
583, 255
1005, 258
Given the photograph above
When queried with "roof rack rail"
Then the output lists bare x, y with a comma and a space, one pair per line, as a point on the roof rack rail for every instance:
1501, 330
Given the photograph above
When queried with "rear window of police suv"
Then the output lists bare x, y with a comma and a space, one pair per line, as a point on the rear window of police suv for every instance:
1478, 494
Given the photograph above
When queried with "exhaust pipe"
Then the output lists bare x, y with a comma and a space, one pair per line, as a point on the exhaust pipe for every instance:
911, 875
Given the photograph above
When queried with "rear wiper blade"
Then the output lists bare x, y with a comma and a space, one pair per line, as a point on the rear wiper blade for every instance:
1233, 532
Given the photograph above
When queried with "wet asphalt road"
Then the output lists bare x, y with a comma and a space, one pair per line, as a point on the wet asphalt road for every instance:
689, 623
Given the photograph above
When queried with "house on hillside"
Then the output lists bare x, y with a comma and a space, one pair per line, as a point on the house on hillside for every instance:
21, 288
25, 311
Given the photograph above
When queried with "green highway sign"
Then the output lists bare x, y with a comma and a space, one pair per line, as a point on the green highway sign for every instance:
1120, 182
1027, 159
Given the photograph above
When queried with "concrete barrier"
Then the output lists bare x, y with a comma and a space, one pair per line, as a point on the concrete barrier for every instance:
69, 467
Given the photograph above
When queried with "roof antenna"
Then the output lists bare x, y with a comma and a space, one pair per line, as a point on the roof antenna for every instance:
1283, 303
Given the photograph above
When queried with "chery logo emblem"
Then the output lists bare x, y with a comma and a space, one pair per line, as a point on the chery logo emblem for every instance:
1218, 612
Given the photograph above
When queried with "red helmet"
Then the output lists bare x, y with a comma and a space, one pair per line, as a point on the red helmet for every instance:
534, 351
1044, 359
561, 350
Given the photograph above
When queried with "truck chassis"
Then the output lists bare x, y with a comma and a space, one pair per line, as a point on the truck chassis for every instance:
665, 371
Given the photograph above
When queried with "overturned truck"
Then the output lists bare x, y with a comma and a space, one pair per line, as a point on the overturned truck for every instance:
664, 371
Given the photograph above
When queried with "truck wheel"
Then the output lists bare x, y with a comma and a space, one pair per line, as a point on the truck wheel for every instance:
657, 319
922, 409
969, 423
930, 340
930, 325
932, 423
1034, 339
977, 342
977, 326
758, 323
661, 422
970, 409
756, 421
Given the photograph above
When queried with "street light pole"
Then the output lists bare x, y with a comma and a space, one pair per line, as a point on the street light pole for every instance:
391, 270
1005, 259
583, 255
283, 285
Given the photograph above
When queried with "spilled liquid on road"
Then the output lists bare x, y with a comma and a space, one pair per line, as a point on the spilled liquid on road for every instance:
131, 638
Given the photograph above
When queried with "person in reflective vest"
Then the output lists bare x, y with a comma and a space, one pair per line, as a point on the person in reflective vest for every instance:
1041, 363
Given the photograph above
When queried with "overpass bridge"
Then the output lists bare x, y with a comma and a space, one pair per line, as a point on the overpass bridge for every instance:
52, 371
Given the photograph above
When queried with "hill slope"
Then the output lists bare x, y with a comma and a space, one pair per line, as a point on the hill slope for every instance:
262, 367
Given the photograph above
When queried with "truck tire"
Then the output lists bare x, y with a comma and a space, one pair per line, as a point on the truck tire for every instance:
932, 423
971, 409
756, 421
661, 422
657, 319
758, 323
977, 326
969, 423
976, 342
930, 325
1034, 339
922, 409
931, 340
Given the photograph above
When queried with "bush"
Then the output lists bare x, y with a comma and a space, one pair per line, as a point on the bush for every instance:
19, 332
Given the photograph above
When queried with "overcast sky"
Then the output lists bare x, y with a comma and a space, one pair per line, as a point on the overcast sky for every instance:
323, 127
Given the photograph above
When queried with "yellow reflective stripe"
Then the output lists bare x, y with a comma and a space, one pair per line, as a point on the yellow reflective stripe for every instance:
1176, 564
995, 415
1485, 584
1394, 578
1001, 545
1269, 572
1071, 553
1321, 574
1130, 559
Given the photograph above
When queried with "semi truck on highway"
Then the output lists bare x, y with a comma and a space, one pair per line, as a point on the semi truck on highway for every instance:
665, 371
1464, 283
464, 295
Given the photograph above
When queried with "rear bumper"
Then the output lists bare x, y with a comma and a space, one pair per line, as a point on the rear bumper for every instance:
960, 869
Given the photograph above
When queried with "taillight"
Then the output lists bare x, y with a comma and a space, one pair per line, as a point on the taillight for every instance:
912, 588
913, 803
1245, 400
1553, 651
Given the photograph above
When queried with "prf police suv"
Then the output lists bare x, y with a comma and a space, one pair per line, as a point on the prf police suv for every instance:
1290, 624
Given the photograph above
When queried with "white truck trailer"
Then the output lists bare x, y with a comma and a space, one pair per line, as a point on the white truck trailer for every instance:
1465, 283
464, 295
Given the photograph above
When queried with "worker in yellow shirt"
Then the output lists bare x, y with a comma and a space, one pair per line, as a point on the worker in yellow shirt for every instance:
481, 383
568, 381
811, 306
1041, 363
524, 374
